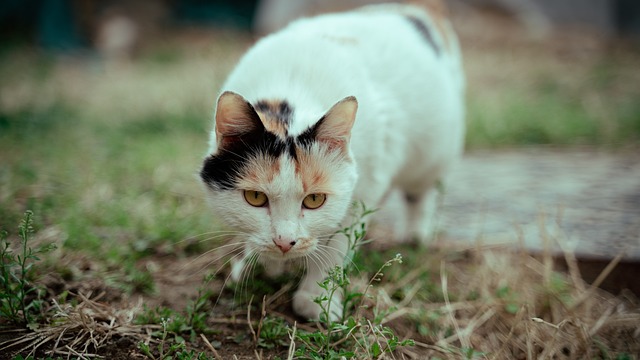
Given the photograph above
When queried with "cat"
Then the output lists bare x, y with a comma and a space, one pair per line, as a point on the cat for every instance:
332, 110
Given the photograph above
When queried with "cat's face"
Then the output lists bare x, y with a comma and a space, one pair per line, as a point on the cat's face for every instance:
284, 193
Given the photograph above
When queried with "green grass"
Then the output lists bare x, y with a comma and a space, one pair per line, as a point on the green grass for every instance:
549, 102
21, 300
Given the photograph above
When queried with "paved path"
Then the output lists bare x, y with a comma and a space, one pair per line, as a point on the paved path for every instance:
589, 201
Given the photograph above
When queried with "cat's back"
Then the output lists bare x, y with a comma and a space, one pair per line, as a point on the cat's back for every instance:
373, 47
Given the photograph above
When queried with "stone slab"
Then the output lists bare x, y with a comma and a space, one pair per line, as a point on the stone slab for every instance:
583, 201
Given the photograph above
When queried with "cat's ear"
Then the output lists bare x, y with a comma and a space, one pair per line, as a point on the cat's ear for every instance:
334, 128
235, 117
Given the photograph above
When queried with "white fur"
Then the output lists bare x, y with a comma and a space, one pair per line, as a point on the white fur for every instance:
408, 129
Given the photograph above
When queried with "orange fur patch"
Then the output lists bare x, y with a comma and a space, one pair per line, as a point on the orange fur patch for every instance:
314, 169
259, 171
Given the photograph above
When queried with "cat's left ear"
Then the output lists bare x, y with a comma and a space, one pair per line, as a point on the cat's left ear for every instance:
334, 128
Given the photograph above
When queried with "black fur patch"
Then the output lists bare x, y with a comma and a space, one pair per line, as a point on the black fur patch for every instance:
222, 170
306, 138
424, 31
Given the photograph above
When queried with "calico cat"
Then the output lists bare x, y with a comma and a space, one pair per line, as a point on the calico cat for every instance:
332, 110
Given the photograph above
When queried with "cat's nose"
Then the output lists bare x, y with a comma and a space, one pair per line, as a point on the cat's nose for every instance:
284, 244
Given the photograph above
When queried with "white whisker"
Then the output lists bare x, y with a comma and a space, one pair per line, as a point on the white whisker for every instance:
226, 280
235, 246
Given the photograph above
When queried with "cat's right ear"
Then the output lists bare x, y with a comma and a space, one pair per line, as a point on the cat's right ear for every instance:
235, 117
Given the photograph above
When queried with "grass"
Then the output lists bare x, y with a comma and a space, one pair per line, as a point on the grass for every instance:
106, 159
20, 299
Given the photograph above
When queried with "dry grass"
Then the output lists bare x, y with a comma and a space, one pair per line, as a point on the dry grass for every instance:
81, 330
524, 311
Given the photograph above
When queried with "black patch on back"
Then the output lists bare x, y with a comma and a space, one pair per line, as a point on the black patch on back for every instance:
280, 110
424, 31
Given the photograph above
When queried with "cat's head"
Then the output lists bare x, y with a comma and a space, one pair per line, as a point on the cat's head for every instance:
284, 192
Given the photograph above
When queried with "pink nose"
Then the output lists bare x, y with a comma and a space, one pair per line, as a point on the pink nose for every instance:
284, 244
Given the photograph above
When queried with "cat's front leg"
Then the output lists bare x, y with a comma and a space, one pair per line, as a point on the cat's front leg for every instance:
329, 256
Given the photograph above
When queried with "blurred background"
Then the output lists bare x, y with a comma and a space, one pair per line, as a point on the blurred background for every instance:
105, 106
122, 26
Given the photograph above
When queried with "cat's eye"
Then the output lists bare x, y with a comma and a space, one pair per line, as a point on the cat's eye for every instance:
255, 198
314, 201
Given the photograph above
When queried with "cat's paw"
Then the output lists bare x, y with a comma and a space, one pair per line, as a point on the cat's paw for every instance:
305, 306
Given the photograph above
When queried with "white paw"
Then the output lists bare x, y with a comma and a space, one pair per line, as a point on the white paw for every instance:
304, 305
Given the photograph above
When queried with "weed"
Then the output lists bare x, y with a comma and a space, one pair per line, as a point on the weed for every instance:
169, 350
20, 300
273, 332
177, 324
356, 336
176, 347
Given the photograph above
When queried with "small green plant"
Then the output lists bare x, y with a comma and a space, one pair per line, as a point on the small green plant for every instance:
178, 325
169, 350
273, 332
20, 300
355, 336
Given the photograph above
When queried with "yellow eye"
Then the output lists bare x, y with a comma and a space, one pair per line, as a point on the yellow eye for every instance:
314, 201
255, 198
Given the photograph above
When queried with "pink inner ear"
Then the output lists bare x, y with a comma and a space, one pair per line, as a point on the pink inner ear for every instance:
234, 117
336, 126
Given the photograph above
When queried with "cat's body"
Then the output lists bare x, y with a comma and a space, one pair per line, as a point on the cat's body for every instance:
333, 110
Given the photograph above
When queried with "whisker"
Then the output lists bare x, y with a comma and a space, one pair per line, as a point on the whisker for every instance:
218, 233
324, 257
345, 255
226, 280
240, 252
221, 236
248, 268
236, 244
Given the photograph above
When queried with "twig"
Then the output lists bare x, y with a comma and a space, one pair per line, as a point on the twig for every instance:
253, 333
210, 347
519, 317
262, 315
292, 344
431, 347
445, 293
598, 281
